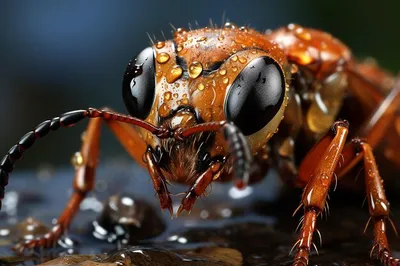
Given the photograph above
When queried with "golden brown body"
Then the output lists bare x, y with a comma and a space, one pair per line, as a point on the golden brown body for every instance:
206, 105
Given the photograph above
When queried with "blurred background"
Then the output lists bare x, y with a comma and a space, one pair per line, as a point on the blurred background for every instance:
56, 56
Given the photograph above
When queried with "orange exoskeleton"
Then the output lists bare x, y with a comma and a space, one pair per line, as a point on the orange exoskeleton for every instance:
207, 105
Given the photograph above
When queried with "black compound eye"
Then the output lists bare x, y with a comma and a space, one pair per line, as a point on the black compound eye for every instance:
256, 95
138, 87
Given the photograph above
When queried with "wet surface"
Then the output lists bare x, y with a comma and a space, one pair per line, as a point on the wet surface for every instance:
127, 220
229, 227
156, 257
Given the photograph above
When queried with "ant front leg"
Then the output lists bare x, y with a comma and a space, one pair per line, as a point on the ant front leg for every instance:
320, 164
83, 183
199, 186
120, 124
159, 182
327, 153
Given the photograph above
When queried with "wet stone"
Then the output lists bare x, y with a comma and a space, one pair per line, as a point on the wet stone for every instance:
142, 256
29, 228
75, 260
127, 220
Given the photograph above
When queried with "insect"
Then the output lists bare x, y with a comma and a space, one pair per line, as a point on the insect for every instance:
207, 105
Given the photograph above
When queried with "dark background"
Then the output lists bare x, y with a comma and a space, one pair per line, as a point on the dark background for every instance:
57, 56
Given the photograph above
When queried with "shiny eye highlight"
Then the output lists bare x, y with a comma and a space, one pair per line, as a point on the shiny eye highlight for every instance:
138, 87
256, 95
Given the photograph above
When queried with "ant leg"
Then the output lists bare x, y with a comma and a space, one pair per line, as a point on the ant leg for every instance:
159, 182
320, 165
136, 147
83, 183
129, 138
384, 111
237, 146
382, 118
87, 161
365, 90
199, 186
378, 206
374, 129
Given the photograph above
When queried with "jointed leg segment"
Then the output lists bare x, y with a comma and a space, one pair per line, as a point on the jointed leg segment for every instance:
159, 182
320, 179
199, 186
85, 167
316, 191
83, 183
378, 207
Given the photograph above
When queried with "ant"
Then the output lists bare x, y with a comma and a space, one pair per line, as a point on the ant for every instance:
206, 106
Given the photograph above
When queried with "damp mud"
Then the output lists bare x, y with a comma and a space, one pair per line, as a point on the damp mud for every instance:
120, 223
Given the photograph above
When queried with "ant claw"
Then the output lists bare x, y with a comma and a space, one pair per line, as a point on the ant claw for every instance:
180, 209
171, 211
240, 184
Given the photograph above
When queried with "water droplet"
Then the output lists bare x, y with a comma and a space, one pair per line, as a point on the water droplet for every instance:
234, 69
83, 136
222, 72
185, 101
175, 95
207, 115
229, 25
159, 73
225, 80
174, 73
220, 37
234, 58
135, 70
180, 31
200, 87
167, 96
299, 30
303, 35
202, 39
294, 68
243, 28
162, 58
179, 48
163, 110
195, 69
303, 56
77, 160
160, 45
30, 228
242, 60
204, 214
291, 26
